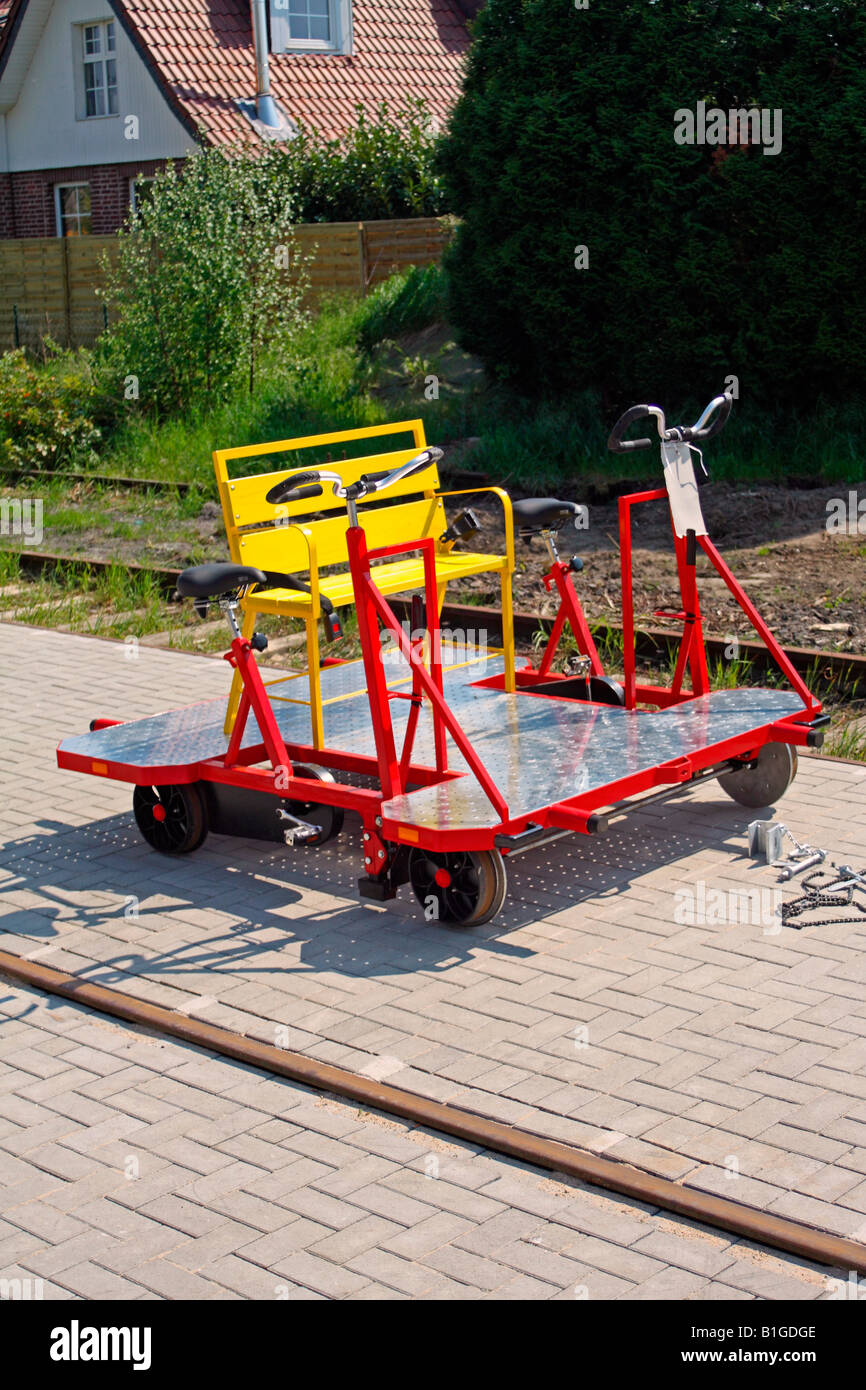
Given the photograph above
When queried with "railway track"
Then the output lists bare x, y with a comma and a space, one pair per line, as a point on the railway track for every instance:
457, 477
652, 643
180, 489
736, 1218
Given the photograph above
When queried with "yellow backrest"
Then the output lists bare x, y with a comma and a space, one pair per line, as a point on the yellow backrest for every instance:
244, 502
286, 547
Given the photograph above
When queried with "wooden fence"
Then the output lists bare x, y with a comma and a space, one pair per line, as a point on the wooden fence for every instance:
48, 285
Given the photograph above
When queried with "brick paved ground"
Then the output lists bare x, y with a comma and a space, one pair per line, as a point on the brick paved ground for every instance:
134, 1167
727, 1055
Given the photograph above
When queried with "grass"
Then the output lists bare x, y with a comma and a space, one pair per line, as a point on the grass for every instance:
848, 740
340, 374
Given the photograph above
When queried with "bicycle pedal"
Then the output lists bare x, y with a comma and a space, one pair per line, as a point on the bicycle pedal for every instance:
297, 831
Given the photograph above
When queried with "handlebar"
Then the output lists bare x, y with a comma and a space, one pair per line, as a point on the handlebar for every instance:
720, 406
616, 443
296, 486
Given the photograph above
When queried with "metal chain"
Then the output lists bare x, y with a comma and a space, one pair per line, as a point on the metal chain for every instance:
801, 850
812, 898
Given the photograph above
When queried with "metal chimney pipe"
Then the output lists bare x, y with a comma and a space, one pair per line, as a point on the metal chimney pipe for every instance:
265, 108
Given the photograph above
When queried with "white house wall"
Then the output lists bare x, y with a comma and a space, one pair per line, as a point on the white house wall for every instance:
42, 129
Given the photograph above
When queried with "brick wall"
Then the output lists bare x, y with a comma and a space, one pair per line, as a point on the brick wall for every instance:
27, 205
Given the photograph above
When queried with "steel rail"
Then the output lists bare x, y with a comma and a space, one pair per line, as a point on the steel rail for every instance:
778, 1232
651, 642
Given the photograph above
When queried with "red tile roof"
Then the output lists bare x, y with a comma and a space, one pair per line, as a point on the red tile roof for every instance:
201, 53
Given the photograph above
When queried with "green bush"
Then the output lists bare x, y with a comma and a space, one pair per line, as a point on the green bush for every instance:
46, 411
208, 281
384, 166
703, 260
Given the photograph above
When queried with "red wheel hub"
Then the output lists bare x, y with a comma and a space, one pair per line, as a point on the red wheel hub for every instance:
442, 878
159, 811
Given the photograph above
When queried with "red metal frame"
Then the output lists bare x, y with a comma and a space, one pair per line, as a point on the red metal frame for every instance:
397, 773
570, 612
692, 651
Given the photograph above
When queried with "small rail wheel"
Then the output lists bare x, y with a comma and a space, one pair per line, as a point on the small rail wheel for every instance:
461, 887
764, 783
329, 819
172, 820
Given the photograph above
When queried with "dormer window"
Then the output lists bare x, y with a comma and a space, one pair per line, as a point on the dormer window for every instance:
310, 21
304, 26
100, 69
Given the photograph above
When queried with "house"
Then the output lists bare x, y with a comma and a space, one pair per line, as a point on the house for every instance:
94, 93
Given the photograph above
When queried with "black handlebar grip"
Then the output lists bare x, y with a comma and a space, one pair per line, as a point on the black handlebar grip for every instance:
284, 490
616, 443
297, 494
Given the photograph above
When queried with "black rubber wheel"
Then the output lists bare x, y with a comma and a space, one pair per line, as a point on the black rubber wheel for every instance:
329, 819
599, 690
173, 820
460, 887
764, 783
604, 691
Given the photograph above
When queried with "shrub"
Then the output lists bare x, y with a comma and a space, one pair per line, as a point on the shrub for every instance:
207, 281
384, 166
703, 260
46, 411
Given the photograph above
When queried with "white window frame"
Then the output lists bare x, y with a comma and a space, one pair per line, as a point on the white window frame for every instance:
281, 41
137, 178
105, 55
58, 208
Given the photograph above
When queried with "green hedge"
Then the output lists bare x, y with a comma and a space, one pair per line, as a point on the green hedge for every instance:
703, 260
384, 166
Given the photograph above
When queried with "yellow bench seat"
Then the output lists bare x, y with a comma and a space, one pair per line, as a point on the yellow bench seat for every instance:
306, 537
392, 578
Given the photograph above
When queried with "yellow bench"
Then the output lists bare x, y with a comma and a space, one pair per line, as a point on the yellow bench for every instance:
286, 539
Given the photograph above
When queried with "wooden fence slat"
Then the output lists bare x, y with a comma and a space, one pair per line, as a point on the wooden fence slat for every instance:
51, 283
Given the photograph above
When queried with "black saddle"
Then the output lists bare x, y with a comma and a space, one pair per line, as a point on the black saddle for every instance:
210, 581
536, 514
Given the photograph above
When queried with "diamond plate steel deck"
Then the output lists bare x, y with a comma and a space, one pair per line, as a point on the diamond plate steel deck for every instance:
181, 737
541, 751
537, 750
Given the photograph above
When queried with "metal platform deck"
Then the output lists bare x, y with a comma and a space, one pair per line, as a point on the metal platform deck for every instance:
180, 737
538, 750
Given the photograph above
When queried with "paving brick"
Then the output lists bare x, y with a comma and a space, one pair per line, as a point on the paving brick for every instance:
689, 1251
503, 1229
91, 1281
426, 1236
51, 1260
771, 1283
467, 1268
352, 1240
198, 1254
252, 1281
543, 1264
295, 1234
321, 1276
668, 1284
404, 1275
703, 1043
170, 1281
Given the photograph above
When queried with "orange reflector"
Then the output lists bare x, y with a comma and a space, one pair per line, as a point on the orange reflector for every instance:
410, 835
101, 768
